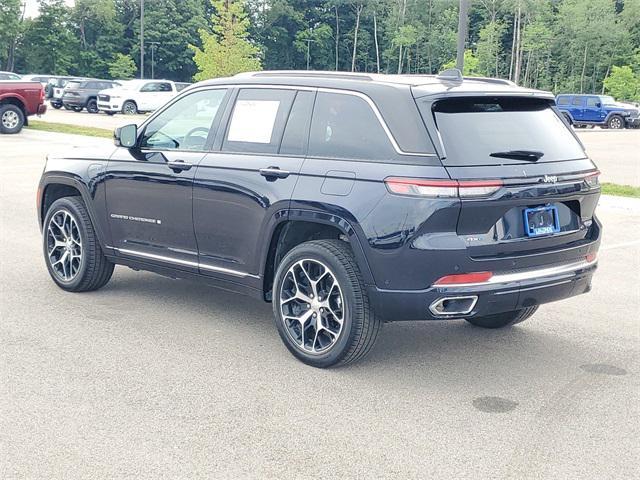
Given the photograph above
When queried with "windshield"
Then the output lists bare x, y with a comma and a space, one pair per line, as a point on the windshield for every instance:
607, 100
502, 131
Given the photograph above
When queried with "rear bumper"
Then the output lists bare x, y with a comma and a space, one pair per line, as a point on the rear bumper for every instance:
42, 108
502, 293
74, 102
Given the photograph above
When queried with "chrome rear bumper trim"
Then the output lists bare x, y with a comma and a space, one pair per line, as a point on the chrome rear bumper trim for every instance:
505, 278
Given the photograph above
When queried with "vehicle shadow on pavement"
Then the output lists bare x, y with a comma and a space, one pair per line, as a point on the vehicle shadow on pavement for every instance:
427, 351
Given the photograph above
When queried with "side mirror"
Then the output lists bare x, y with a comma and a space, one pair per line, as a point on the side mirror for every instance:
126, 136
599, 105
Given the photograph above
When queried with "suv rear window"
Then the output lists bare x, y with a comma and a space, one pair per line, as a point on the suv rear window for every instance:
73, 85
475, 129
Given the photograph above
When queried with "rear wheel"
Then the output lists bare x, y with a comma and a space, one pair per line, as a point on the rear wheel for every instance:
505, 319
11, 119
57, 106
616, 122
72, 252
321, 305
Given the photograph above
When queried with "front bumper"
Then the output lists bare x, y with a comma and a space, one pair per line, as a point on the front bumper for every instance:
632, 122
504, 292
111, 106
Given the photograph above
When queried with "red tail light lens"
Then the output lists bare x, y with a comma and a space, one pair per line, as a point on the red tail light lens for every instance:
420, 187
462, 278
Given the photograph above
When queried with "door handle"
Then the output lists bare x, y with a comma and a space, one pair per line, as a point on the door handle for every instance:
178, 165
272, 173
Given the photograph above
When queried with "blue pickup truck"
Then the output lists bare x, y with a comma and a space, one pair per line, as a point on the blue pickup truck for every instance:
602, 110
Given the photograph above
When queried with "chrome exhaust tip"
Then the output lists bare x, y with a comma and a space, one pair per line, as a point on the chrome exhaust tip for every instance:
447, 306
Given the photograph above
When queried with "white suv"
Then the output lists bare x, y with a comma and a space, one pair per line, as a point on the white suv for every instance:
136, 96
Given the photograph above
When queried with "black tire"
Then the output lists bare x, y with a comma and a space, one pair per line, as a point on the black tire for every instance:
94, 270
92, 106
67, 107
111, 114
57, 106
500, 320
360, 325
616, 122
76, 109
567, 117
11, 119
129, 107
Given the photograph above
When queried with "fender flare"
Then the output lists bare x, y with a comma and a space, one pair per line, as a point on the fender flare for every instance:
325, 218
71, 181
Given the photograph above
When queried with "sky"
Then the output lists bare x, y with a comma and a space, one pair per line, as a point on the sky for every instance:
32, 7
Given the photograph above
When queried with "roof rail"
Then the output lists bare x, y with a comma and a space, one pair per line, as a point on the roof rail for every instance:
306, 73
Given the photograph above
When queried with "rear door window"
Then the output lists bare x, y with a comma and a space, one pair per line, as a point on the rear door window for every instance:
577, 101
345, 126
564, 100
487, 131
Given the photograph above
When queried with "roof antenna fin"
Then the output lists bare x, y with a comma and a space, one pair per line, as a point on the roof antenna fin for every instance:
450, 75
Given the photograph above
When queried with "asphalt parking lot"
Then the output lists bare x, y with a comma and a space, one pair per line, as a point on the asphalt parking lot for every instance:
151, 376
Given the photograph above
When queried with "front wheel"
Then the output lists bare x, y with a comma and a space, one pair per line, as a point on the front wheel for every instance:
321, 306
129, 108
72, 252
616, 122
57, 106
92, 106
500, 320
76, 109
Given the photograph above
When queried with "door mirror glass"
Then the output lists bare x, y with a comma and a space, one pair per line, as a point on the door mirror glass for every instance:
126, 136
599, 105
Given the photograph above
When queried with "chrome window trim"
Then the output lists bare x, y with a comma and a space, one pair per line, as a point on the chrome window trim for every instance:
361, 95
504, 278
177, 261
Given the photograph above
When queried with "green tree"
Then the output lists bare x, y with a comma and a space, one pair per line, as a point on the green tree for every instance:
489, 48
122, 67
226, 50
9, 29
623, 84
471, 64
49, 45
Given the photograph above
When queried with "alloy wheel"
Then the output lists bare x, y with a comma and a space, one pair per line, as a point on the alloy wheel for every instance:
64, 245
10, 119
312, 306
616, 123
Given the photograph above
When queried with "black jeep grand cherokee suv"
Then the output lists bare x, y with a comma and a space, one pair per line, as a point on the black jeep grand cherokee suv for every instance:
346, 200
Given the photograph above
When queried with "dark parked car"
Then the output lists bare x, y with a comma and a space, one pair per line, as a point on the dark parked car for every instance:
601, 110
346, 200
79, 94
18, 101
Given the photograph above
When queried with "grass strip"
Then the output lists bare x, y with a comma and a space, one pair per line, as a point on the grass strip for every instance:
620, 190
72, 129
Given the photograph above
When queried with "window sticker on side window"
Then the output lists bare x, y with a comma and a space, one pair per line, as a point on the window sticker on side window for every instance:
253, 121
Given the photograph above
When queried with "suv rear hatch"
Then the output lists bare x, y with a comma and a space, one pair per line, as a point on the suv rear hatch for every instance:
532, 187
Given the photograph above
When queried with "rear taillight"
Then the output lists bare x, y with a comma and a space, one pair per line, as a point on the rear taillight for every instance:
420, 187
463, 278
593, 179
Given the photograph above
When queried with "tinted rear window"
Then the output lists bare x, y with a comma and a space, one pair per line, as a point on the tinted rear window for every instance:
472, 128
73, 85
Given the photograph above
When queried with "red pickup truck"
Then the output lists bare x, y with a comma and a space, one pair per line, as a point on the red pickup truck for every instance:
19, 100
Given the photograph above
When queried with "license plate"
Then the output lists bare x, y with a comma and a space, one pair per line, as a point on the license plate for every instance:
541, 221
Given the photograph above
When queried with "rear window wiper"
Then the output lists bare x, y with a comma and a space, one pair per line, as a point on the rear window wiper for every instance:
529, 155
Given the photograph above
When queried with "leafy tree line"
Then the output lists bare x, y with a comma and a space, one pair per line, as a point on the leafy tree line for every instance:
558, 45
